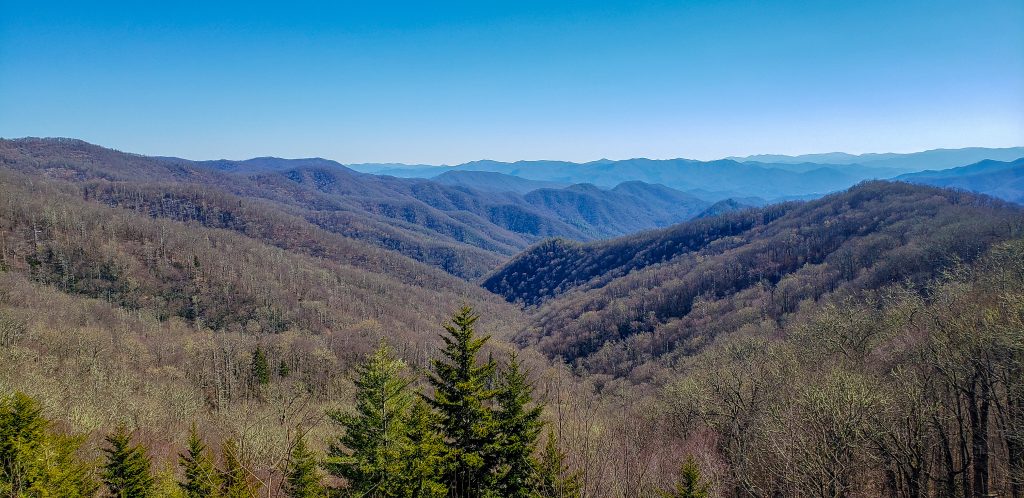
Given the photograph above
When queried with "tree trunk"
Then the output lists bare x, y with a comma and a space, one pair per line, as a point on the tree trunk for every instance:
977, 411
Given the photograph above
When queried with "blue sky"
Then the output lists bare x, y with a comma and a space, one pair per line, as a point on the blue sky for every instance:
424, 82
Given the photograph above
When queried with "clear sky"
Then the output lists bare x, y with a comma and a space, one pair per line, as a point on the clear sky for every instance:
426, 82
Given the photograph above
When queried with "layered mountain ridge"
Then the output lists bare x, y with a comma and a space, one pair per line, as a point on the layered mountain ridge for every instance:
612, 306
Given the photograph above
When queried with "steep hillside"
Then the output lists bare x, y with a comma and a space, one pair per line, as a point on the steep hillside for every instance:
249, 269
723, 207
78, 162
614, 305
464, 231
487, 181
151, 304
627, 208
1004, 180
265, 164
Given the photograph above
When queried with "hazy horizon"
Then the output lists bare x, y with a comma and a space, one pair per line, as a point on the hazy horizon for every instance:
443, 165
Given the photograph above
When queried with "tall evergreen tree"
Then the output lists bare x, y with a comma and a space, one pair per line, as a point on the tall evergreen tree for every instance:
127, 472
553, 479
200, 476
518, 424
422, 455
690, 484
235, 481
302, 477
22, 433
368, 453
35, 461
260, 367
462, 398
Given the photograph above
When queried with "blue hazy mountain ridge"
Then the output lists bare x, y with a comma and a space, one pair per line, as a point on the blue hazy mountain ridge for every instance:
768, 177
915, 161
488, 181
1002, 179
721, 178
378, 168
260, 164
724, 206
549, 208
582, 212
471, 198
495, 221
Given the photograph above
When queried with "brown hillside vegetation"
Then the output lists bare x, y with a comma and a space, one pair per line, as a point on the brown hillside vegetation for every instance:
612, 306
460, 230
864, 344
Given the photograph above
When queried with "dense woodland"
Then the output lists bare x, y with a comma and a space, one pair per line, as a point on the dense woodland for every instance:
614, 306
177, 329
465, 232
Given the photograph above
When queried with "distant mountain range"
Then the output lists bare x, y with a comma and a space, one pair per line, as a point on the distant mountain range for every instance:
1002, 179
493, 182
915, 161
770, 177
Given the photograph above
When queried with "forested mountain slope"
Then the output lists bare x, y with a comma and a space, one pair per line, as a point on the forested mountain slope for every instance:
464, 231
1002, 179
882, 325
614, 305
252, 272
493, 182
724, 206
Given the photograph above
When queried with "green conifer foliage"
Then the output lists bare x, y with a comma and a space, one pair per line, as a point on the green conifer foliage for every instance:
461, 399
235, 481
22, 432
127, 472
34, 461
690, 484
260, 367
368, 454
422, 456
302, 478
553, 479
519, 424
200, 476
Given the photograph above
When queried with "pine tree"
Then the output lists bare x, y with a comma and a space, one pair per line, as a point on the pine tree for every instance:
22, 432
235, 478
553, 479
368, 453
35, 461
302, 478
690, 484
518, 425
59, 471
127, 472
201, 478
260, 367
461, 398
422, 455
283, 370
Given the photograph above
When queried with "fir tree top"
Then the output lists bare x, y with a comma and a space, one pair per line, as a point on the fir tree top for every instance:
127, 471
